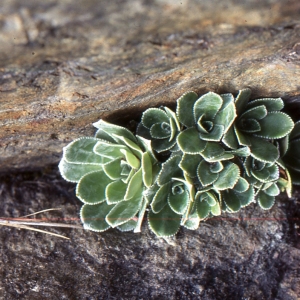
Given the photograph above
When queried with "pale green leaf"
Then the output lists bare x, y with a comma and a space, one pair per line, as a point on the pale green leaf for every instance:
91, 187
131, 159
115, 192
160, 199
81, 151
169, 169
192, 221
113, 169
241, 100
271, 104
216, 209
146, 144
154, 115
132, 146
184, 111
265, 201
275, 125
207, 105
189, 141
125, 210
205, 176
102, 135
73, 172
228, 177
147, 169
93, 216
108, 150
165, 223
135, 184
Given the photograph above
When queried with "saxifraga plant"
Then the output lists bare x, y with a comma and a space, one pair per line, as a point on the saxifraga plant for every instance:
220, 153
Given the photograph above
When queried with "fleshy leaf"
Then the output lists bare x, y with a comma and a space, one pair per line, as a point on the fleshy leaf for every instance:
203, 209
113, 169
73, 172
143, 131
102, 135
179, 202
131, 159
246, 197
193, 220
241, 186
189, 141
124, 210
163, 145
108, 150
115, 192
256, 113
272, 190
169, 169
265, 201
205, 176
275, 125
160, 199
207, 105
128, 226
228, 177
91, 187
160, 130
271, 104
154, 115
112, 129
216, 209
146, 144
189, 164
134, 185
263, 150
241, 100
231, 200
147, 169
249, 125
226, 116
243, 139
185, 106
216, 167
214, 135
212, 150
81, 151
165, 223
230, 139
93, 216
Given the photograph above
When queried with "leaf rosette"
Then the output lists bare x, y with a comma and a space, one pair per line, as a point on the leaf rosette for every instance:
258, 124
161, 126
112, 170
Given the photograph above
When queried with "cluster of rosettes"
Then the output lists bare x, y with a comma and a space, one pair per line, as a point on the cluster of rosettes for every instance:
220, 154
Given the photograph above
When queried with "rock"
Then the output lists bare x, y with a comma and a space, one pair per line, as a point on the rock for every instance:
64, 65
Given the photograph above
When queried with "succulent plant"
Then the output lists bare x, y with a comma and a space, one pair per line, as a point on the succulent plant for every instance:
220, 153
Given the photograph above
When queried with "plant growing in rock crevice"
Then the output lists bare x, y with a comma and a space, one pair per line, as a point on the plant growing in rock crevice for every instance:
221, 153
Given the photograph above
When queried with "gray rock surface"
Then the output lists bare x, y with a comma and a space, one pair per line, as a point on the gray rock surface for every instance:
66, 64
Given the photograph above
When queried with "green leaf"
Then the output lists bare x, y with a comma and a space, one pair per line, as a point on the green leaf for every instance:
243, 152
283, 145
207, 105
212, 150
125, 210
113, 169
231, 200
134, 148
189, 141
143, 131
112, 129
160, 130
243, 139
216, 209
203, 209
262, 175
163, 145
189, 163
216, 167
174, 130
205, 176
241, 186
165, 223
169, 169
135, 184
115, 192
73, 172
141, 215
173, 118
273, 190
184, 111
265, 201
224, 156
146, 144
246, 197
214, 135
226, 116
131, 159
179, 202
91, 187
154, 115
241, 100
230, 139
147, 169
271, 104
263, 150
249, 125
228, 177
93, 216
270, 128
211, 199
128, 226
108, 150
256, 113
161, 198
193, 219
81, 151
102, 135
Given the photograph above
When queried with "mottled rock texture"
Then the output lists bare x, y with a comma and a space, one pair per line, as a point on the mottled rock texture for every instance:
66, 64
